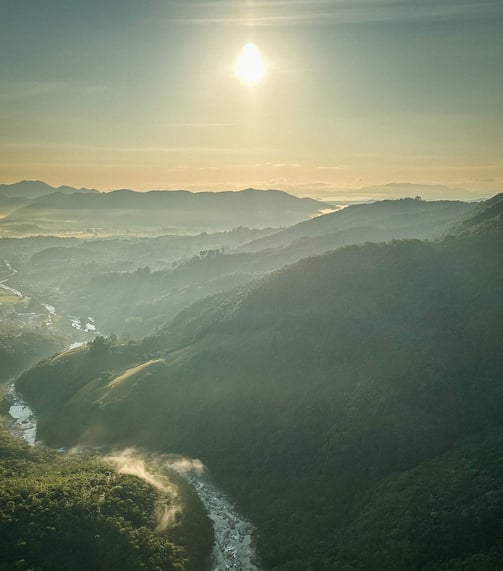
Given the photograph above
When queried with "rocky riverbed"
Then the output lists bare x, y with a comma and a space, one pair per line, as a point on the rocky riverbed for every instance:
234, 547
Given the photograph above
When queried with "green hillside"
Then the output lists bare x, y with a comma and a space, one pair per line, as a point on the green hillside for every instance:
62, 512
331, 399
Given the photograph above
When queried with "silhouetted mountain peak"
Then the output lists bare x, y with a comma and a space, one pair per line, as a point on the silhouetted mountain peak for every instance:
33, 189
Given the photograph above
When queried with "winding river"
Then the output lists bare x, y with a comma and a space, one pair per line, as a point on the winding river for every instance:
234, 547
85, 325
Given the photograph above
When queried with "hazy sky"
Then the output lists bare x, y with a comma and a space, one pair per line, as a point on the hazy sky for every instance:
144, 94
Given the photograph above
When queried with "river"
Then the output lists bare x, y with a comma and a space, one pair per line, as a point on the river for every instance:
24, 421
85, 325
233, 548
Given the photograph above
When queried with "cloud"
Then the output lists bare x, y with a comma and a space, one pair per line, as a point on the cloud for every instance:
278, 165
330, 167
298, 12
203, 125
9, 144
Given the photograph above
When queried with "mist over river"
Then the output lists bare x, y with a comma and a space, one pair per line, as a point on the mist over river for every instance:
233, 548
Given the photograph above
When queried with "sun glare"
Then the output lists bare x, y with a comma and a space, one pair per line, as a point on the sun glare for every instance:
250, 66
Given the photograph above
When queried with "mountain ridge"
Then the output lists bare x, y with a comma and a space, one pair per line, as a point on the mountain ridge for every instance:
379, 214
311, 390
124, 211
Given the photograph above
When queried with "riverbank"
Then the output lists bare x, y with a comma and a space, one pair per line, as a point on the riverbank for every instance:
234, 546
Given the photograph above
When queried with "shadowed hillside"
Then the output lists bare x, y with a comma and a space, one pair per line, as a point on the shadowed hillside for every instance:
325, 398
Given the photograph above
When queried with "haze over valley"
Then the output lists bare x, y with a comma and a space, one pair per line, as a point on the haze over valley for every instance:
251, 262
317, 352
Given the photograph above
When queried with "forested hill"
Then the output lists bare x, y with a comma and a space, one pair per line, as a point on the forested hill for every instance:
487, 217
62, 512
351, 403
403, 218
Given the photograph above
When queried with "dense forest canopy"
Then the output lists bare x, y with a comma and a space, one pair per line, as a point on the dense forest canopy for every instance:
331, 399
77, 512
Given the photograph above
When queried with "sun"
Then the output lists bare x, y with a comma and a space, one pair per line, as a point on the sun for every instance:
250, 65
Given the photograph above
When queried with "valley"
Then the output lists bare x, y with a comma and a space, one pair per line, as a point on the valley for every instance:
251, 270
331, 376
233, 546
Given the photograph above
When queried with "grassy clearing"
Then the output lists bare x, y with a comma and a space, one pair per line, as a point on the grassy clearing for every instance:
133, 371
8, 298
68, 352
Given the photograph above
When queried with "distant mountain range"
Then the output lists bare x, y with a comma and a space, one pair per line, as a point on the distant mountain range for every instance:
425, 191
386, 219
36, 188
37, 208
391, 190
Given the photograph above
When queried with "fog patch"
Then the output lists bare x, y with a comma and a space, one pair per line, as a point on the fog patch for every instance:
131, 462
166, 516
184, 465
151, 469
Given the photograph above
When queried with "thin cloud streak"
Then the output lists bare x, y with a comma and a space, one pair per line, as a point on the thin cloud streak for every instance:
194, 149
203, 125
329, 12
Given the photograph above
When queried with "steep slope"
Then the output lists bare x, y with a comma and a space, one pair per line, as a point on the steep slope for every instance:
487, 216
322, 397
78, 512
387, 219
